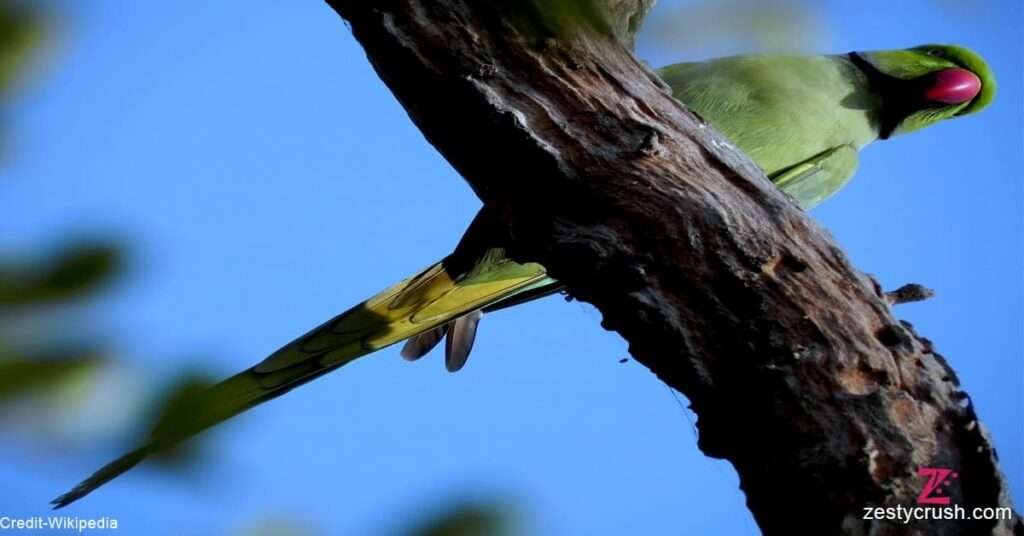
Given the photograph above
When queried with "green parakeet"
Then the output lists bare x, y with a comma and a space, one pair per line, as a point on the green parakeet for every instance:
802, 119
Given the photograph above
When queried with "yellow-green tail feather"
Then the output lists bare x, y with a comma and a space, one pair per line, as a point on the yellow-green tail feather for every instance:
416, 305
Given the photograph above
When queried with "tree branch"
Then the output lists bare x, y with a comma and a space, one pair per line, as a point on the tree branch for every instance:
911, 292
799, 374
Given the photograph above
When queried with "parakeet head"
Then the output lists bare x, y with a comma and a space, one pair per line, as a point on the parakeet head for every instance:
926, 84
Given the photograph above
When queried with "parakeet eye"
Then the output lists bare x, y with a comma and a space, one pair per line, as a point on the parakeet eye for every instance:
953, 86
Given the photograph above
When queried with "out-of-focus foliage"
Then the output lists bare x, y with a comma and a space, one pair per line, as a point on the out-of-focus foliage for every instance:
468, 519
174, 409
52, 384
566, 13
21, 29
277, 527
459, 518
45, 395
557, 18
40, 375
740, 25
73, 271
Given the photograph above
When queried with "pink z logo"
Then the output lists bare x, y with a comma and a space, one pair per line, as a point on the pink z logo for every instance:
938, 479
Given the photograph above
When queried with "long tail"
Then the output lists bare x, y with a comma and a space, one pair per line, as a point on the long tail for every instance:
419, 304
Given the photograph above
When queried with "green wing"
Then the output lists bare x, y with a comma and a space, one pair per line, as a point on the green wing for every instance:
814, 180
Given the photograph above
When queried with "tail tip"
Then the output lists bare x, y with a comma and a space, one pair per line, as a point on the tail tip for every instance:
65, 499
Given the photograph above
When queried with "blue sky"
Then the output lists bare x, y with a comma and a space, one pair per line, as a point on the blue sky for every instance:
264, 180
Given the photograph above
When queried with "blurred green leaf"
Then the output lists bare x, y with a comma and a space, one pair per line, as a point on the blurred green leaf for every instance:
468, 519
74, 271
743, 25
44, 374
277, 527
564, 15
21, 29
51, 388
175, 409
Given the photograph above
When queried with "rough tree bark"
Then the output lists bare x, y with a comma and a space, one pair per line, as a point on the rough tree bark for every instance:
795, 366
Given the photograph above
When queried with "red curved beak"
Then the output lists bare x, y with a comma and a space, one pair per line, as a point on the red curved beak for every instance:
953, 86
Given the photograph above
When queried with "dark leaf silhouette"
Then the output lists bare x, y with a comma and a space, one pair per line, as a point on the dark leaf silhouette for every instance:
71, 272
468, 519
